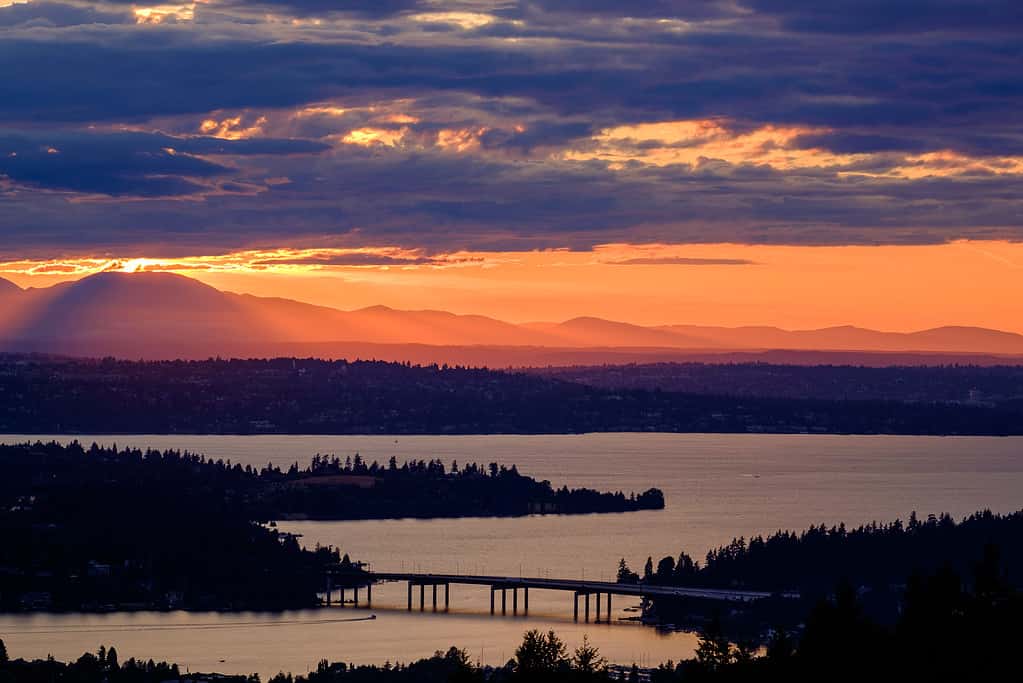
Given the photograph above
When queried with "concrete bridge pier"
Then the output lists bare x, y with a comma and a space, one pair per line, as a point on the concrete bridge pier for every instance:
447, 596
586, 606
525, 599
597, 620
492, 591
504, 601
341, 601
434, 597
409, 596
515, 601
608, 608
369, 595
422, 597
356, 596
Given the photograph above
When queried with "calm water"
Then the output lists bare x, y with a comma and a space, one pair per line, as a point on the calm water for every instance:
716, 487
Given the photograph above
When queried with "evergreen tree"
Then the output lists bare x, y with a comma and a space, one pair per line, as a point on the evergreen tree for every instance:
540, 653
626, 575
587, 659
714, 652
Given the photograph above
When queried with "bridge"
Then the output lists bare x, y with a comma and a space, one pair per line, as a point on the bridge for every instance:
579, 588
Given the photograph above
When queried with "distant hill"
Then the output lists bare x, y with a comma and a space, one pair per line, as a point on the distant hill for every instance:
849, 338
310, 396
164, 315
8, 288
589, 331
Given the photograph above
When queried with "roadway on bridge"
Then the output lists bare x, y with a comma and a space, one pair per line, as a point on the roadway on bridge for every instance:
577, 586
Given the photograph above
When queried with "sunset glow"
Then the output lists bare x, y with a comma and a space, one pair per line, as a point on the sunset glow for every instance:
650, 163
900, 288
649, 274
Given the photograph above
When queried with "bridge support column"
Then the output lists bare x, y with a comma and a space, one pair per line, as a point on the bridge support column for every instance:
586, 596
609, 608
598, 608
515, 600
492, 591
525, 600
356, 591
504, 601
369, 595
575, 611
341, 602
447, 596
434, 597
422, 597
409, 596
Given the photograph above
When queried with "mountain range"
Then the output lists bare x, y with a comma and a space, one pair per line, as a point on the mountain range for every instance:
165, 315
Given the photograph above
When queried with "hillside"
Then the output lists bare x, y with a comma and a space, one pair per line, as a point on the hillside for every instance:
158, 315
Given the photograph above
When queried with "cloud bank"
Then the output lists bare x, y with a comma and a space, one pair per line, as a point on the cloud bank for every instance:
491, 124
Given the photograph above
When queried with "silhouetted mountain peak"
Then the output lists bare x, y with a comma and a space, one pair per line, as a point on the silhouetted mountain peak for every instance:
148, 283
156, 314
8, 287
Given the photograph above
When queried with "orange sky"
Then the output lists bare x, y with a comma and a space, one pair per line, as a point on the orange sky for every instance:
897, 288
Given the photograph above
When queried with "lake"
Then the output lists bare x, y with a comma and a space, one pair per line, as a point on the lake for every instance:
716, 487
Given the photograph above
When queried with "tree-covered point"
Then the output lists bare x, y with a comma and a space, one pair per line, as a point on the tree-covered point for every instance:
88, 528
353, 489
874, 558
328, 488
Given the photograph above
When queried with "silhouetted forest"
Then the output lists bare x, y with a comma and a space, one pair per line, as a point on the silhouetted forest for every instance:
87, 528
101, 667
292, 396
353, 489
999, 385
874, 559
96, 529
948, 629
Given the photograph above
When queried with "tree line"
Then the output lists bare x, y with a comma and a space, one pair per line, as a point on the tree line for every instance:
874, 558
949, 629
311, 396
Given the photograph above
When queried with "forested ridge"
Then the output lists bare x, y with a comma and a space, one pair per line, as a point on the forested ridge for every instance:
307, 396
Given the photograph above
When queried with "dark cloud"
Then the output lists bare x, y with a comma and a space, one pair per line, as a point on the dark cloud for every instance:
540, 133
647, 9
894, 16
681, 261
126, 163
887, 81
56, 14
442, 202
859, 143
365, 8
352, 259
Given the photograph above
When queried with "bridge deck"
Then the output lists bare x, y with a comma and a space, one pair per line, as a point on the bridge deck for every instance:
578, 586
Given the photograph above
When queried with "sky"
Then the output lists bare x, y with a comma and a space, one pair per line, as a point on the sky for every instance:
731, 162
